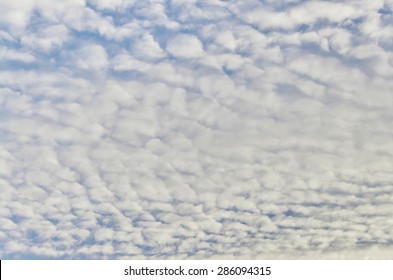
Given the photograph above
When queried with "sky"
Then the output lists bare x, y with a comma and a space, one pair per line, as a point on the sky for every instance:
186, 129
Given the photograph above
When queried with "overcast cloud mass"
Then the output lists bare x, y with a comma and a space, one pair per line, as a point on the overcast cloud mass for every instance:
196, 129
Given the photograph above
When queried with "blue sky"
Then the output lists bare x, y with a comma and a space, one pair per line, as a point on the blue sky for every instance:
196, 129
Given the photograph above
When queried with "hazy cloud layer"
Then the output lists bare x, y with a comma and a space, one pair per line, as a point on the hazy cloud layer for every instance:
196, 129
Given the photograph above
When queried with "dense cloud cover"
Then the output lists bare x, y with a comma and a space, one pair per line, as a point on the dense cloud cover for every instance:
196, 129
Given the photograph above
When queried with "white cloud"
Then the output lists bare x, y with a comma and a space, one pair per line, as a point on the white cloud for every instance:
92, 58
47, 39
12, 55
147, 47
185, 46
223, 129
16, 15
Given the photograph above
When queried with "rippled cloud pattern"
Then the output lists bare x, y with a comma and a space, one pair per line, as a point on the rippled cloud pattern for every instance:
196, 129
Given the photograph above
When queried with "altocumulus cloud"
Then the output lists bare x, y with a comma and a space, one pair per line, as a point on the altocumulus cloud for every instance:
196, 129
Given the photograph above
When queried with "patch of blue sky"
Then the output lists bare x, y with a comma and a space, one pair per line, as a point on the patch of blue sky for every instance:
34, 236
291, 213
85, 37
16, 219
303, 28
385, 10
127, 75
16, 65
11, 43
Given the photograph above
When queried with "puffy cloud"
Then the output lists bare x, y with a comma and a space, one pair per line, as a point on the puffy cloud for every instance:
15, 55
179, 129
17, 14
46, 39
185, 46
147, 47
92, 58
